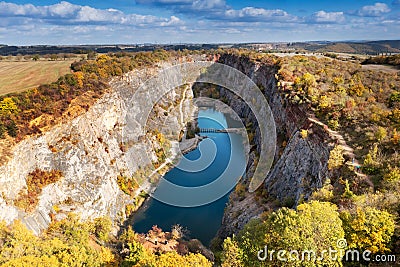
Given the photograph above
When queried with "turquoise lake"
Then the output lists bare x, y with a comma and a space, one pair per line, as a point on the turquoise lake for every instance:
202, 222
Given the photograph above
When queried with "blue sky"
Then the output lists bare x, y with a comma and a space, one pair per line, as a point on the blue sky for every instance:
28, 22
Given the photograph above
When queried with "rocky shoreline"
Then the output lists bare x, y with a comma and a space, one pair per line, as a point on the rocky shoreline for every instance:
189, 145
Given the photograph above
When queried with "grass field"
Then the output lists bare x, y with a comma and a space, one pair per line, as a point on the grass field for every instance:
23, 75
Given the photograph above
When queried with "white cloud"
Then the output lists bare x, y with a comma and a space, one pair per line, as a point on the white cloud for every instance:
327, 17
211, 5
203, 8
374, 11
258, 14
19, 10
173, 21
65, 13
62, 9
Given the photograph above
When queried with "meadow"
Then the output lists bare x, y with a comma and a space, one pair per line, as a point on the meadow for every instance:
17, 76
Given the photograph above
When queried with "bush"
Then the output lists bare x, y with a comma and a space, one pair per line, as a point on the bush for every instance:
336, 158
2, 130
35, 182
394, 99
368, 228
12, 128
102, 228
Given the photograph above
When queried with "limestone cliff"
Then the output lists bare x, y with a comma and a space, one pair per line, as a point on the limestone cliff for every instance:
90, 154
300, 164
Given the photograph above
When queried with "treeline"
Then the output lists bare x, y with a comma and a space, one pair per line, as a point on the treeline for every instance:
386, 60
36, 57
26, 113
85, 49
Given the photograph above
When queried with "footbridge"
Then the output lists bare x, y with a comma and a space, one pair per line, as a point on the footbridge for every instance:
227, 130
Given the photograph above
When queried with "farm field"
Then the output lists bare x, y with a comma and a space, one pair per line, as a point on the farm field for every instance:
23, 75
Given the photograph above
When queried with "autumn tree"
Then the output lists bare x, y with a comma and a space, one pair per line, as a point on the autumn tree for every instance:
368, 228
336, 158
313, 226
7, 107
231, 254
65, 243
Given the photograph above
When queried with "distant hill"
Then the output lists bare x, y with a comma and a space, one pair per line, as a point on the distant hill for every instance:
84, 49
353, 47
369, 47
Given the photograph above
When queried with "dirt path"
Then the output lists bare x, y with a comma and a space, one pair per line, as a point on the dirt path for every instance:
347, 150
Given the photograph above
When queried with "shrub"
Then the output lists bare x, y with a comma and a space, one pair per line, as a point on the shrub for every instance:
7, 106
102, 228
371, 161
336, 158
380, 133
394, 99
368, 228
35, 182
12, 128
304, 133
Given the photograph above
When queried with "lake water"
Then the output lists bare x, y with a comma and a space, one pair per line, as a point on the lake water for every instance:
204, 221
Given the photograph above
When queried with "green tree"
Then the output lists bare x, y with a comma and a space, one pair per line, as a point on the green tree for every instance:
394, 99
306, 84
380, 133
58, 246
315, 226
102, 228
173, 259
136, 253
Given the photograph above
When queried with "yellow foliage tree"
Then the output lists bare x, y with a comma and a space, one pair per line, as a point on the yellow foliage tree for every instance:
325, 102
79, 78
336, 158
368, 228
8, 106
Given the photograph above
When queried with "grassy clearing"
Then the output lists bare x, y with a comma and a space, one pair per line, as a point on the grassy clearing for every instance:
23, 75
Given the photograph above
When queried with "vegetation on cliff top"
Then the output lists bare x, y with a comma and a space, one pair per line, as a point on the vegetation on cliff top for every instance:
29, 112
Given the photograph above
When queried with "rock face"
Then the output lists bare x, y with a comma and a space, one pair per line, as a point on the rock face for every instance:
300, 164
88, 151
